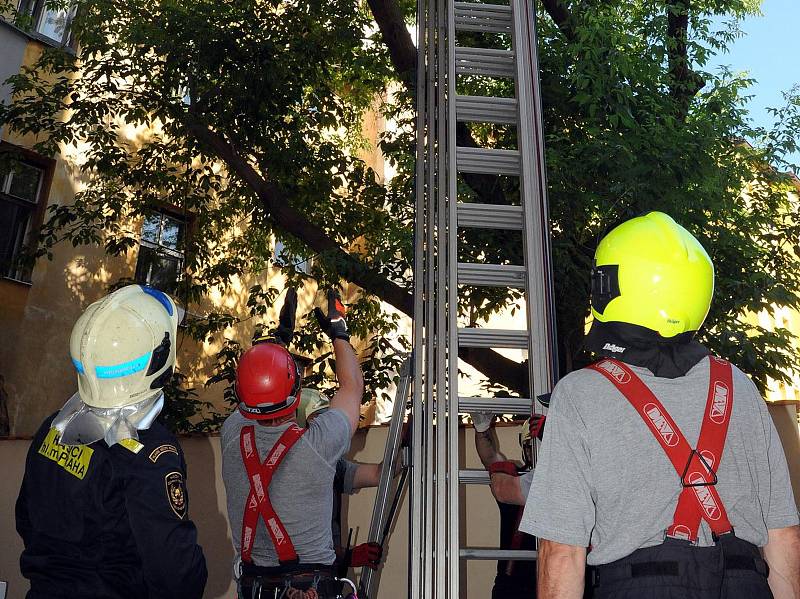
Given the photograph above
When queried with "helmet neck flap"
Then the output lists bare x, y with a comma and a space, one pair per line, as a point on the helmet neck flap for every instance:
81, 424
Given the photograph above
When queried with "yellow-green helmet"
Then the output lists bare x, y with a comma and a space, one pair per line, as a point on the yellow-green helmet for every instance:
651, 272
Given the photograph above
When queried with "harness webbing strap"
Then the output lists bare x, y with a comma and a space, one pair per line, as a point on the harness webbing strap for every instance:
699, 498
258, 503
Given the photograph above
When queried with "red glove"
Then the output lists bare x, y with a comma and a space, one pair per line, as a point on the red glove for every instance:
366, 554
506, 467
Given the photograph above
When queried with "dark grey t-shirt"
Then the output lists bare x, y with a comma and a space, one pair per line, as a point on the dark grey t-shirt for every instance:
603, 479
300, 491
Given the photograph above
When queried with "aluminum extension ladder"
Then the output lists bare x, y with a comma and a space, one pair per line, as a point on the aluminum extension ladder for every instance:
436, 554
391, 485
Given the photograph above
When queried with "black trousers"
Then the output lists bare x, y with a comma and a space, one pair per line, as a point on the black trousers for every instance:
731, 569
508, 587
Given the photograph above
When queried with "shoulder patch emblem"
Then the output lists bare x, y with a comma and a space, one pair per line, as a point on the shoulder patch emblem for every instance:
161, 450
72, 458
176, 493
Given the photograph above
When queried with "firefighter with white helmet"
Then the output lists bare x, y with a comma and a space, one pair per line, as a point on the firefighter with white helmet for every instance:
278, 476
632, 476
103, 508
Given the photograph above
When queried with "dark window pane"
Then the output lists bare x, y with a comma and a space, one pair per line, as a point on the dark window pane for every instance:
25, 182
14, 221
157, 270
151, 228
171, 233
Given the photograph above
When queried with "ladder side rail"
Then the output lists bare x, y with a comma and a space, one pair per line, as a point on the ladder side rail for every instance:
391, 453
442, 517
533, 193
430, 305
451, 229
416, 494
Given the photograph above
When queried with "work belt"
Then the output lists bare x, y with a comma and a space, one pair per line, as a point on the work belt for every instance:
264, 582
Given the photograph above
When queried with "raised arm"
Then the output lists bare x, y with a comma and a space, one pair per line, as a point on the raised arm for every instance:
486, 443
351, 382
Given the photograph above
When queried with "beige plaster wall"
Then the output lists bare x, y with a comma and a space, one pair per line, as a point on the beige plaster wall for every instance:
207, 508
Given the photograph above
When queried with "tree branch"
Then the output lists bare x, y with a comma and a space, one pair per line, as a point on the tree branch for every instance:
276, 203
561, 16
397, 39
684, 83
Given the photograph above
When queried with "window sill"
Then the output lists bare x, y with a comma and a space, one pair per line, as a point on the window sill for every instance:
17, 281
37, 37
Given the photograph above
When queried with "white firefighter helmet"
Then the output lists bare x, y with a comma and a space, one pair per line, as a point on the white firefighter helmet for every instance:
311, 402
123, 347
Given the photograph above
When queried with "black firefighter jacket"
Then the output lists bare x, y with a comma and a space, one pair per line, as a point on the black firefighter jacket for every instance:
110, 523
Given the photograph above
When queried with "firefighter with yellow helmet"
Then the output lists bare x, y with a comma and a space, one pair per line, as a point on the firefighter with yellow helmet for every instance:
103, 508
660, 464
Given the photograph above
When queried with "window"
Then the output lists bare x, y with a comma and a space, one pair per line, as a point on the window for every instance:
161, 251
51, 18
20, 189
283, 257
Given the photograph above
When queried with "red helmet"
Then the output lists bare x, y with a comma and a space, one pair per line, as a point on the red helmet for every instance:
267, 382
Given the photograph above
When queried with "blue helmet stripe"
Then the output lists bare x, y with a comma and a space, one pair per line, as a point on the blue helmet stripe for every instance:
78, 365
160, 296
124, 369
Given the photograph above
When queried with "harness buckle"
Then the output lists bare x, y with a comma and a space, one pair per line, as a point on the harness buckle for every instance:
706, 465
687, 539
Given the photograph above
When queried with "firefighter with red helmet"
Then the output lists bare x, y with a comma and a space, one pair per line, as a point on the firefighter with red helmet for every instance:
660, 458
278, 476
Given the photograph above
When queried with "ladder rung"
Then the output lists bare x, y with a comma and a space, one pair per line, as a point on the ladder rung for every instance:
473, 477
498, 554
487, 161
486, 109
475, 337
495, 405
484, 61
490, 18
489, 216
491, 275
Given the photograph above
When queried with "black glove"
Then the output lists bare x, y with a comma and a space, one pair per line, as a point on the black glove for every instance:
285, 331
284, 334
333, 324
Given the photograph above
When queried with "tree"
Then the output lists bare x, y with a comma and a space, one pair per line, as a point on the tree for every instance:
274, 92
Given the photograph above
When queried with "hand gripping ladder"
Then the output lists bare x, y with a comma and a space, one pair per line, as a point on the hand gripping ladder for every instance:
436, 552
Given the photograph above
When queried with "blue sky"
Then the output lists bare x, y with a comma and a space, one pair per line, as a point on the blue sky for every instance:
770, 52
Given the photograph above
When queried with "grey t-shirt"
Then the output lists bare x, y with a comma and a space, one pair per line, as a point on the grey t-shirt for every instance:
603, 479
300, 491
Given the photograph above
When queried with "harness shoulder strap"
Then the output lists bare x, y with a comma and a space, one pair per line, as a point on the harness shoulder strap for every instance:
258, 503
696, 467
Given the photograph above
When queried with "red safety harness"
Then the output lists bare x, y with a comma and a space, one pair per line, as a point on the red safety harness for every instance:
258, 503
696, 467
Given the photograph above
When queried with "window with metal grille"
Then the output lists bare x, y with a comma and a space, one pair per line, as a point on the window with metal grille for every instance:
20, 190
50, 19
161, 251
